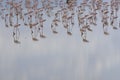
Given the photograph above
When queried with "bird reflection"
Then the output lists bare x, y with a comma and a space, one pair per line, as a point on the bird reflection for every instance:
34, 16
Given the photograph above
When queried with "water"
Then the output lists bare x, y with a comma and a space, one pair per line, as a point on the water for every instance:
60, 57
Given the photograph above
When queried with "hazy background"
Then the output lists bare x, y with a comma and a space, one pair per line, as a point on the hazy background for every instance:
60, 57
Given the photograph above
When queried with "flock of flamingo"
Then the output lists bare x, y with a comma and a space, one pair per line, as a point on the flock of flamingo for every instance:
31, 14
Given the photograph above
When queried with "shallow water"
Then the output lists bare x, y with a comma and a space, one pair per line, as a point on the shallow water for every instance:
59, 56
